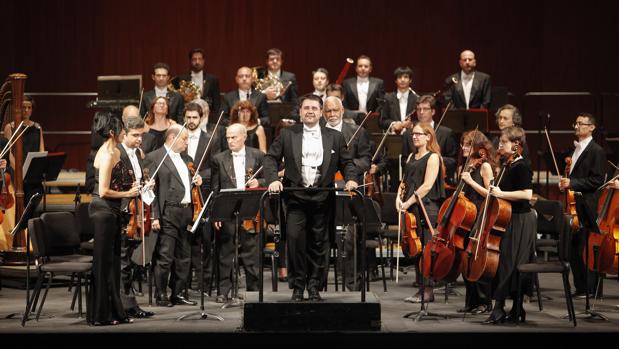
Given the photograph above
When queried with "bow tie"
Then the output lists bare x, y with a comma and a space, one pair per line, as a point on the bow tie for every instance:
577, 144
312, 132
238, 154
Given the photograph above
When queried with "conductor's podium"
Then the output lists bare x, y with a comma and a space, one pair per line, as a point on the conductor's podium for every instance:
338, 311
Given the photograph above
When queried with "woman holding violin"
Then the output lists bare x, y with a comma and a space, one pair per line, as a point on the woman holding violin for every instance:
480, 172
111, 187
422, 174
518, 242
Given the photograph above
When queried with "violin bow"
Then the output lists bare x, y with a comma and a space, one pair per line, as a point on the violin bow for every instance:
208, 145
254, 175
440, 121
140, 104
554, 159
19, 131
359, 128
169, 150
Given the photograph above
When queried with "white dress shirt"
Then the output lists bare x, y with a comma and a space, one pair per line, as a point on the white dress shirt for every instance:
183, 172
238, 162
580, 146
197, 79
337, 127
161, 92
244, 95
311, 151
321, 94
134, 162
363, 85
467, 84
194, 138
403, 99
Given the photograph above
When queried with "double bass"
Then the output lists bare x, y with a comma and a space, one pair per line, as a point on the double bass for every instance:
606, 242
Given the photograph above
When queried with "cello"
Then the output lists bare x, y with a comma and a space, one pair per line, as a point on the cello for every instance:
608, 208
408, 239
481, 257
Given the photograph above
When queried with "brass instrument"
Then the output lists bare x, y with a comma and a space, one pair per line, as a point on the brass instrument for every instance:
187, 89
262, 80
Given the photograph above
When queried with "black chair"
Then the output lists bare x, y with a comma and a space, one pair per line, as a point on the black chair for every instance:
84, 228
389, 216
562, 266
47, 245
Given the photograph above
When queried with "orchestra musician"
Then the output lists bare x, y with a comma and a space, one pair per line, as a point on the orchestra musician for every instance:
478, 297
274, 63
587, 173
313, 154
172, 212
244, 93
157, 122
506, 116
359, 149
232, 169
363, 93
110, 188
320, 81
337, 90
473, 89
246, 114
132, 157
422, 174
208, 84
518, 242
161, 77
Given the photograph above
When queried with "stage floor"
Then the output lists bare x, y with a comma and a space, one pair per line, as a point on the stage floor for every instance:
393, 308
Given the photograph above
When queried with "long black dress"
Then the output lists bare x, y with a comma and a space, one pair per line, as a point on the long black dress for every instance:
104, 301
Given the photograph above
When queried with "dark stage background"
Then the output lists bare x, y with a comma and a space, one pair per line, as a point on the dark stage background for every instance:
524, 45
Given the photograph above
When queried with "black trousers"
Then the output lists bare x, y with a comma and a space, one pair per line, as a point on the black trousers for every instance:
173, 252
248, 257
307, 239
584, 280
127, 247
203, 238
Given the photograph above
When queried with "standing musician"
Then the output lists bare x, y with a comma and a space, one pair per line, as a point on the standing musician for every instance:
132, 158
246, 93
426, 109
359, 150
208, 84
157, 121
478, 297
233, 168
274, 63
423, 174
172, 212
198, 140
313, 154
363, 93
161, 77
518, 241
110, 188
320, 81
586, 175
473, 89
506, 116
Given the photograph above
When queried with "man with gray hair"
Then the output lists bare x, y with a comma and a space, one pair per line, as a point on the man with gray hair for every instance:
506, 116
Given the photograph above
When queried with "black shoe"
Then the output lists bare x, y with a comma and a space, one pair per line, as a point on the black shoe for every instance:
498, 316
180, 300
513, 317
139, 313
163, 301
297, 295
282, 278
314, 296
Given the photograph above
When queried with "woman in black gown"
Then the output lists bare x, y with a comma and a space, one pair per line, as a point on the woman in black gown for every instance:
112, 183
246, 114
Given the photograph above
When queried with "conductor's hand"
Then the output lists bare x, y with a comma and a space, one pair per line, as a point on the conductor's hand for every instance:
2, 163
253, 183
155, 225
276, 187
350, 185
197, 180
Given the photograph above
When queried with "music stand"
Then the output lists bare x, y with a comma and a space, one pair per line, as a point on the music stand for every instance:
236, 205
279, 111
43, 168
462, 120
22, 224
199, 223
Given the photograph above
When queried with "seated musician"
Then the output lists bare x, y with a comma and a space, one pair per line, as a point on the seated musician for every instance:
518, 242
478, 295
246, 93
586, 174
337, 90
423, 174
161, 77
233, 168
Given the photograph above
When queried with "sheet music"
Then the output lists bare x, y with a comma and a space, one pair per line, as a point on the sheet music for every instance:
31, 155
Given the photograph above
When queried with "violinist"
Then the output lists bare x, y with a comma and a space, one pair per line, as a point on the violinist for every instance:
132, 158
518, 242
359, 149
172, 212
422, 173
476, 146
231, 169
586, 175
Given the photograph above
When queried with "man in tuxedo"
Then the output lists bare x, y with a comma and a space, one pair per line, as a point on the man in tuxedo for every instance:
161, 77
198, 140
243, 93
132, 158
172, 213
320, 81
232, 169
363, 93
398, 105
587, 173
313, 154
208, 84
426, 109
359, 150
472, 89
288, 94
506, 116
336, 90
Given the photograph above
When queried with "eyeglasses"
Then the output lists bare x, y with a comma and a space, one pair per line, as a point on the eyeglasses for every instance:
418, 134
423, 109
580, 124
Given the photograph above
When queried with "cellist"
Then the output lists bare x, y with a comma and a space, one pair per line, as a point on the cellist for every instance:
422, 173
518, 241
586, 175
482, 154
132, 158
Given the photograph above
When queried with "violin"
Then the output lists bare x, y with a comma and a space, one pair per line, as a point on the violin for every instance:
196, 194
251, 224
139, 225
6, 198
373, 187
411, 244
481, 257
570, 200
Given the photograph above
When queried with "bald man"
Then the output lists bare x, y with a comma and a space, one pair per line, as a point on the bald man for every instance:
473, 88
245, 92
231, 169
